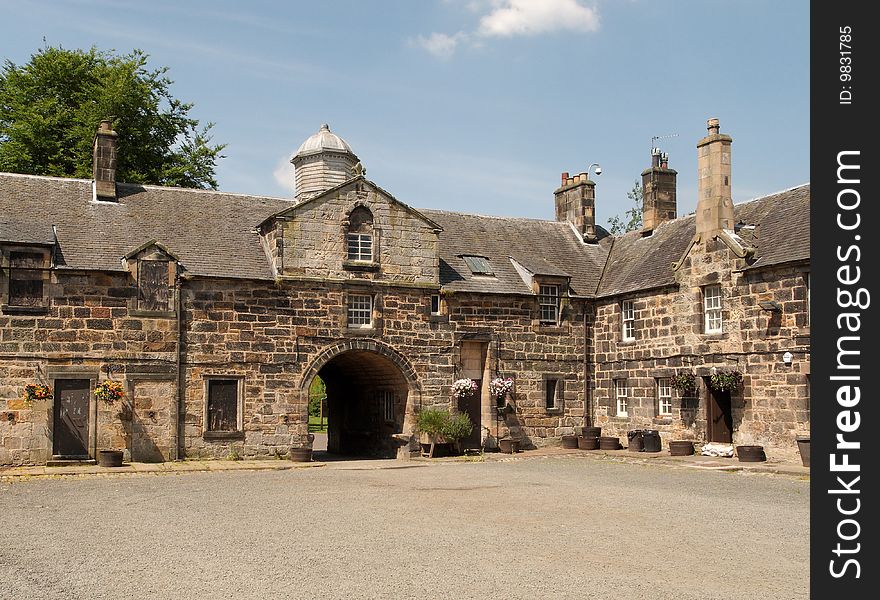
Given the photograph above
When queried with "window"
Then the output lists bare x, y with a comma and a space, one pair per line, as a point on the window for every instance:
360, 311
664, 397
548, 301
712, 308
435, 304
621, 392
360, 235
386, 405
479, 265
25, 279
628, 320
552, 394
223, 405
153, 285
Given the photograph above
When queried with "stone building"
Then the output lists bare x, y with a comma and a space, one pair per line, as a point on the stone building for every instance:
216, 311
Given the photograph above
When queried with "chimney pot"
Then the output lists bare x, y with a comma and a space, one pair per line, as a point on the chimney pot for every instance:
713, 125
564, 177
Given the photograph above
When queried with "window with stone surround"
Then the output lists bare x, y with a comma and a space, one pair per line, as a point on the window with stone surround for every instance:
435, 304
627, 320
621, 393
548, 303
153, 285
360, 311
26, 279
223, 406
712, 320
664, 397
553, 388
360, 235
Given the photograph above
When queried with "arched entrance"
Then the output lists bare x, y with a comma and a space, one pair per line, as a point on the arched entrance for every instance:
371, 391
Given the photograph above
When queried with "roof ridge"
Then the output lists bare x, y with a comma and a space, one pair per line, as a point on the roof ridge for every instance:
791, 189
465, 214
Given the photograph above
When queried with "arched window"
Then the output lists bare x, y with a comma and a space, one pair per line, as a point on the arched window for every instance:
360, 235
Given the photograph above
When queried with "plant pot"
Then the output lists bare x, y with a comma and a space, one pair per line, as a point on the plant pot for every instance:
803, 443
681, 448
609, 443
508, 446
750, 453
588, 443
301, 454
569, 442
651, 440
591, 431
110, 458
634, 440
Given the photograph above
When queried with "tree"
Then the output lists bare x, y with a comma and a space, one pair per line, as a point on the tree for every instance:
50, 109
632, 216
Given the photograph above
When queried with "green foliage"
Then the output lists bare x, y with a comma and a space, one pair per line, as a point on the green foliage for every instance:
317, 393
233, 453
452, 427
684, 382
632, 216
726, 380
50, 109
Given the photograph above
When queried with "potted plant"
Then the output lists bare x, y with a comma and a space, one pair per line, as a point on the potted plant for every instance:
464, 388
109, 391
458, 426
500, 387
36, 391
685, 382
726, 380
430, 423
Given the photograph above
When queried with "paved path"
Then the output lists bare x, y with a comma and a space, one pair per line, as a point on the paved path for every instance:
556, 525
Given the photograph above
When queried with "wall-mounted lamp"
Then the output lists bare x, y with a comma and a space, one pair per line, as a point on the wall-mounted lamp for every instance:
771, 305
598, 170
787, 357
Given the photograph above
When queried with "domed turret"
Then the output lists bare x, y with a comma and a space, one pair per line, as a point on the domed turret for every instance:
323, 161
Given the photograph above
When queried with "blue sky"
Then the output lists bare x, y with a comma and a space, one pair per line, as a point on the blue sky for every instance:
470, 105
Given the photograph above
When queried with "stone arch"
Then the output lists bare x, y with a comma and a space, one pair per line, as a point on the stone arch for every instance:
365, 345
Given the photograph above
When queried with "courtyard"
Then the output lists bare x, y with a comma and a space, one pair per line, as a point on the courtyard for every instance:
540, 527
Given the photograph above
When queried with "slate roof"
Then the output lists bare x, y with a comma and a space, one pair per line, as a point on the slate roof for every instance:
781, 234
211, 232
525, 240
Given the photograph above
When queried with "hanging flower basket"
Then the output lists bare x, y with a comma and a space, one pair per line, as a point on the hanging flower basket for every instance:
463, 388
500, 387
684, 382
724, 381
36, 391
109, 391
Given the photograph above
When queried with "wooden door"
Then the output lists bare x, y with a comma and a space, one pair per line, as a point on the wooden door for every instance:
70, 432
471, 407
719, 416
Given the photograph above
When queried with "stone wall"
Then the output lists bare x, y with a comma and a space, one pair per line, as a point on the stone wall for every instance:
773, 405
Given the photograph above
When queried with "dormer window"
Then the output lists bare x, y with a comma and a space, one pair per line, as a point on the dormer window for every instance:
153, 285
479, 265
360, 235
548, 301
26, 279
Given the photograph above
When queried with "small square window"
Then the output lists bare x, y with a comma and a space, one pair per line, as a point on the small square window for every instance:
435, 304
664, 397
621, 392
628, 320
712, 308
548, 302
223, 405
360, 311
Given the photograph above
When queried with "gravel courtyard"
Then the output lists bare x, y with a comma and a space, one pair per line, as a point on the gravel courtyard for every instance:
548, 527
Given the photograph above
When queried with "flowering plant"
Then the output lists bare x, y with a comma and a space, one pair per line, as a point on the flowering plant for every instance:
462, 388
36, 391
499, 387
109, 391
726, 380
684, 382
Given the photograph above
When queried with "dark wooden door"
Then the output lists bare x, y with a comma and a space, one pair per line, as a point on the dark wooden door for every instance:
471, 407
70, 433
719, 416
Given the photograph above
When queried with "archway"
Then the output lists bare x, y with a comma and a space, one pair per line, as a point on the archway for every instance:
371, 391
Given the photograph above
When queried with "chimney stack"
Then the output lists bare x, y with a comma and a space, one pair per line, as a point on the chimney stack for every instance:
658, 192
104, 162
714, 199
576, 204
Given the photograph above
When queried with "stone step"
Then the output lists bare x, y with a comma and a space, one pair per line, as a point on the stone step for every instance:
70, 462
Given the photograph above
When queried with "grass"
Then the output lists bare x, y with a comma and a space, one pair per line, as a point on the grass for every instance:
315, 425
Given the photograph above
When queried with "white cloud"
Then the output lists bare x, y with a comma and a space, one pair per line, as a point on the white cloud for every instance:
508, 18
532, 17
440, 45
283, 174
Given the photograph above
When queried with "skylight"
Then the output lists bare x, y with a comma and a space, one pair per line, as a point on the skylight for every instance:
479, 265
